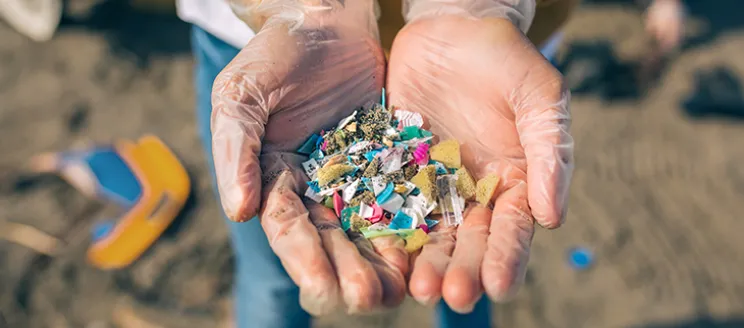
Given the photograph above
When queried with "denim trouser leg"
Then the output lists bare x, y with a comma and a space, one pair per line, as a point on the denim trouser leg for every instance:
479, 318
265, 296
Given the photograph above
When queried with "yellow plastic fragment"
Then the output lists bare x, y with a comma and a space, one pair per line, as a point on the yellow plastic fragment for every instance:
465, 184
485, 189
416, 240
351, 127
400, 189
446, 152
426, 181
358, 222
330, 173
387, 142
336, 159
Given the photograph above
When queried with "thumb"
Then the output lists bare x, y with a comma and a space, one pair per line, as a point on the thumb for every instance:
543, 119
242, 97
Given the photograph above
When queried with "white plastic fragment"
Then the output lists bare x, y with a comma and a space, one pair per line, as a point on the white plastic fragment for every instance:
310, 193
359, 146
330, 191
406, 118
366, 211
409, 188
393, 204
420, 204
416, 215
346, 120
378, 184
390, 132
311, 167
349, 191
392, 160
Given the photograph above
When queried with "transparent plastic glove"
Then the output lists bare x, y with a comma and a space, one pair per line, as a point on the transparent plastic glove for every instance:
481, 82
665, 22
307, 68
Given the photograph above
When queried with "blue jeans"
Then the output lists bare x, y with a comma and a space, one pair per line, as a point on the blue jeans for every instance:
265, 296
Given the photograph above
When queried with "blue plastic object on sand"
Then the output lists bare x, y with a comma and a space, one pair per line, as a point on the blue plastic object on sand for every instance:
580, 258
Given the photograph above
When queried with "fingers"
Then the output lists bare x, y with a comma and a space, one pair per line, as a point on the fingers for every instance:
543, 121
296, 242
361, 288
240, 112
462, 286
386, 255
507, 252
430, 265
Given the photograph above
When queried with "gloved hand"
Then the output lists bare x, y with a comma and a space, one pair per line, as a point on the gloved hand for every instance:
310, 65
469, 70
665, 22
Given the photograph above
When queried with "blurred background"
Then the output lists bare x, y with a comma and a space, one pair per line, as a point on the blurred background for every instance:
657, 197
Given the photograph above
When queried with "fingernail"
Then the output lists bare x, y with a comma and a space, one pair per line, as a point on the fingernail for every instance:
507, 295
428, 301
466, 309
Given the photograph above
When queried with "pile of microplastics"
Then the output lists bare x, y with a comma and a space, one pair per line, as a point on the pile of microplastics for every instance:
380, 173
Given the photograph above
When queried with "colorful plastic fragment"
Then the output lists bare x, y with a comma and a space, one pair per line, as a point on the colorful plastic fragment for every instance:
450, 203
465, 184
381, 175
406, 119
356, 223
309, 146
411, 132
393, 204
485, 189
421, 154
425, 180
346, 214
330, 173
385, 194
338, 203
401, 221
416, 240
446, 152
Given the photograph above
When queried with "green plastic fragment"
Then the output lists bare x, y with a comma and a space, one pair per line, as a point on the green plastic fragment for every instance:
309, 146
411, 132
346, 216
386, 232
328, 202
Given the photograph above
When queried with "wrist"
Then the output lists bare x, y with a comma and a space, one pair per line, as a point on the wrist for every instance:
519, 12
307, 14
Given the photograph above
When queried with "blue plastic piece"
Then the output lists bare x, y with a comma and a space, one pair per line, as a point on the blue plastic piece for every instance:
314, 186
386, 193
370, 155
401, 221
317, 155
580, 258
382, 101
431, 223
101, 230
310, 145
367, 183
